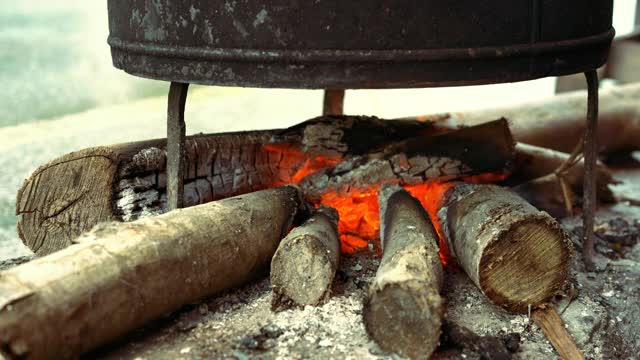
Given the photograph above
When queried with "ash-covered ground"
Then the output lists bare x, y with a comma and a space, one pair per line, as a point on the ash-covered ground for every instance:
601, 310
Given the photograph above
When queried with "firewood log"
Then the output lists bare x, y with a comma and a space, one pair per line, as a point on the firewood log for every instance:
403, 311
558, 122
535, 179
305, 264
126, 182
121, 275
517, 255
534, 162
478, 149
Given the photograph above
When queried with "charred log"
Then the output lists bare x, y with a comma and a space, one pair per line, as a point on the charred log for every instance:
403, 311
128, 181
517, 255
305, 264
125, 182
121, 275
479, 149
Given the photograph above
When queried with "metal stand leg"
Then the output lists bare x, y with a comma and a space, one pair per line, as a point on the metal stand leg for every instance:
333, 102
175, 145
590, 158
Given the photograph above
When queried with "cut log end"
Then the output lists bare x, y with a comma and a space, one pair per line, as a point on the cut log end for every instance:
305, 264
305, 272
527, 265
517, 255
405, 315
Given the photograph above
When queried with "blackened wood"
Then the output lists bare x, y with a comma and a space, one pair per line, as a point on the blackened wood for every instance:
484, 148
121, 275
305, 264
124, 182
517, 255
403, 310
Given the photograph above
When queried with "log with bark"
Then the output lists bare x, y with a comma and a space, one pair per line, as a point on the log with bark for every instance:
403, 310
538, 181
126, 182
121, 275
534, 162
305, 264
485, 148
558, 122
517, 255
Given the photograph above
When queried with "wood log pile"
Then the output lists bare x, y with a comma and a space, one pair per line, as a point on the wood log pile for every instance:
98, 220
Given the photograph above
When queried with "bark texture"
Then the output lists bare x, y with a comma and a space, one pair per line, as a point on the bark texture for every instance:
558, 122
121, 275
478, 149
536, 179
124, 182
305, 264
533, 162
128, 181
517, 255
403, 311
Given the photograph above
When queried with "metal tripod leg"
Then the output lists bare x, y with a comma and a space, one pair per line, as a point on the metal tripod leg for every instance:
175, 145
590, 158
333, 102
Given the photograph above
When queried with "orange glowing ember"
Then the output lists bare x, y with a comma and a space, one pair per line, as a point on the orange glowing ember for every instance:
359, 214
314, 165
306, 165
430, 196
359, 218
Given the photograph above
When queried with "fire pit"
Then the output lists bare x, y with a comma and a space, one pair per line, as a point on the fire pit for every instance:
418, 183
373, 44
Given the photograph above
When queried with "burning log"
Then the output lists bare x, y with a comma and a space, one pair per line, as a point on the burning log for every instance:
517, 255
303, 267
124, 182
121, 275
403, 312
484, 148
128, 181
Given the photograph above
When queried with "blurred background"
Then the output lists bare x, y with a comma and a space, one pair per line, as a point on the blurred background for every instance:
60, 93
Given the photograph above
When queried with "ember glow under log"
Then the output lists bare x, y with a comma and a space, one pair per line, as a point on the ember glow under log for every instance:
517, 255
303, 267
128, 181
121, 275
403, 311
